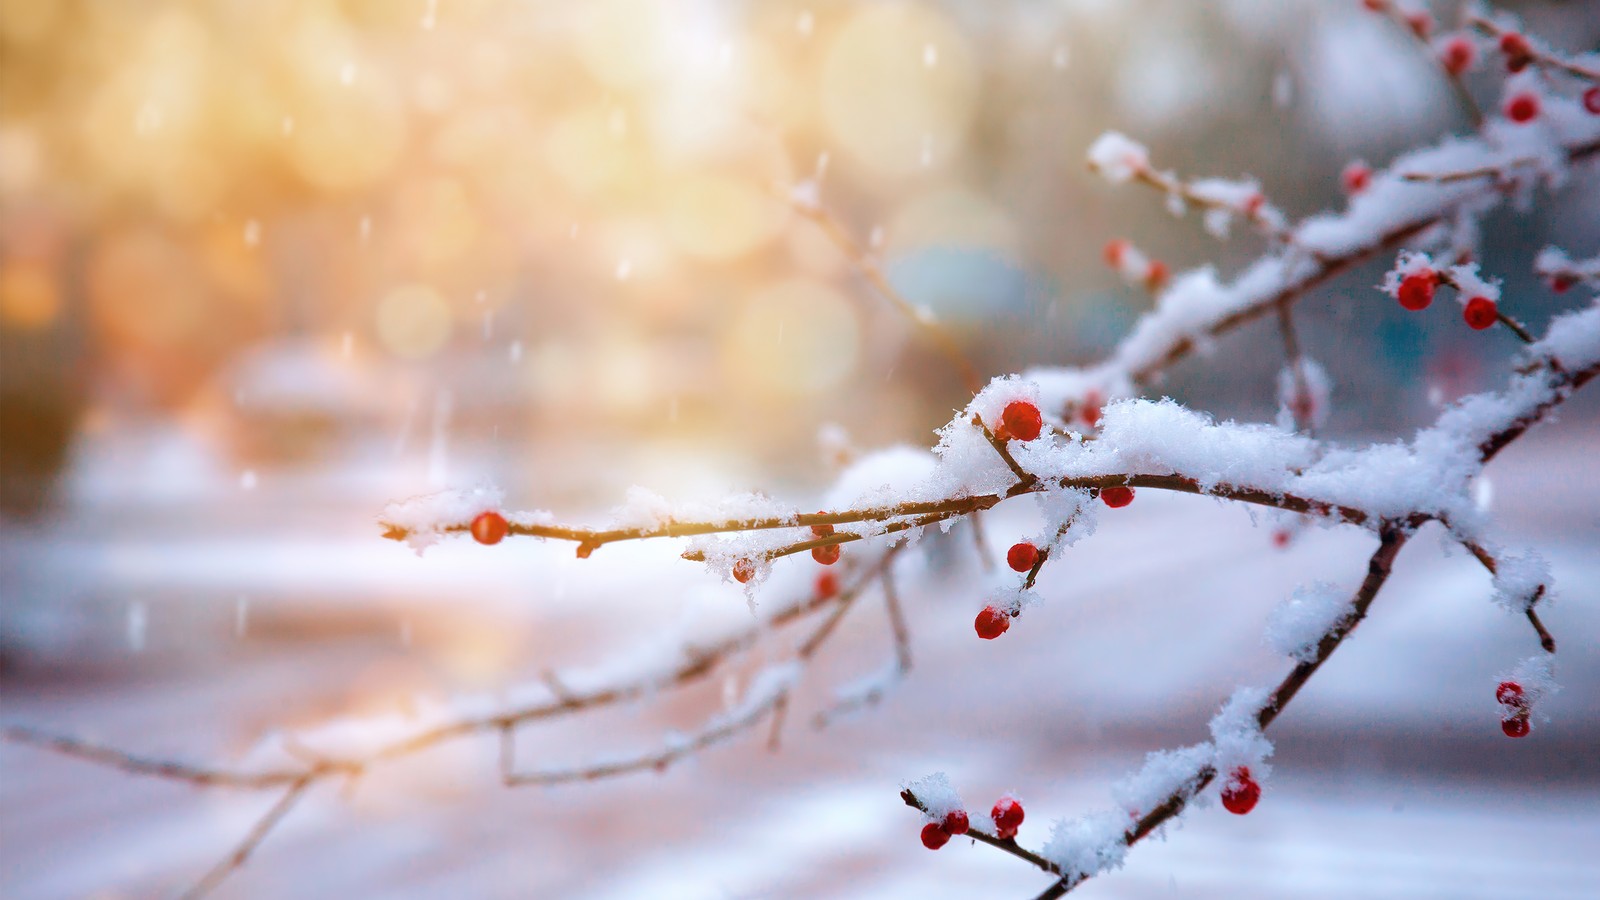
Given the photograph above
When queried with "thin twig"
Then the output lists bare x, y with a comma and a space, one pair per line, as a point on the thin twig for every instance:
257, 834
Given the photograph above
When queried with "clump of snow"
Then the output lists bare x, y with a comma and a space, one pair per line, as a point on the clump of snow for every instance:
1520, 578
938, 797
1089, 845
1165, 773
1470, 284
1573, 339
1236, 735
1299, 624
1117, 158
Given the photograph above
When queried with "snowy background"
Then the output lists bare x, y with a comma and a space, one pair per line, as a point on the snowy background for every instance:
268, 269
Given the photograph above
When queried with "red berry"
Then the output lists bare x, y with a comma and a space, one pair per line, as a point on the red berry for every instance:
822, 530
1241, 793
934, 836
956, 822
1022, 556
743, 571
1114, 251
1375, 5
1355, 177
1562, 283
1156, 276
992, 622
1007, 815
827, 585
1480, 313
1091, 415
1509, 693
1522, 108
1516, 726
1421, 24
1591, 101
1416, 290
826, 555
1517, 50
1022, 420
1280, 539
1458, 55
1117, 497
489, 528
1252, 204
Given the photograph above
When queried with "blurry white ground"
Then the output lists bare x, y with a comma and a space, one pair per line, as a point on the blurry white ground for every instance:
1392, 779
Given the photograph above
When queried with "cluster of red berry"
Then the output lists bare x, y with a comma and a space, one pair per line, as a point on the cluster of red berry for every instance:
1514, 709
1007, 815
1416, 293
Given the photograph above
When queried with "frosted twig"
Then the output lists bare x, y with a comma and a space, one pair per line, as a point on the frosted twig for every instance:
1537, 56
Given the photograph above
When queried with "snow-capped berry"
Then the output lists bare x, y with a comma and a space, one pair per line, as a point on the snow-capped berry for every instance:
1114, 251
1509, 693
1007, 815
1241, 793
1516, 726
956, 822
992, 622
827, 555
1416, 290
1517, 50
1022, 556
490, 528
934, 836
1591, 101
1355, 177
1458, 54
827, 586
1480, 313
743, 571
1117, 497
1522, 108
1022, 420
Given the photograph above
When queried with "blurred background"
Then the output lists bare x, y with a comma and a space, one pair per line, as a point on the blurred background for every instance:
266, 266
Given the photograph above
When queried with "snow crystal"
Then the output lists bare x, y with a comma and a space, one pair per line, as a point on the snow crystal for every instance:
938, 798
1518, 580
1298, 625
1117, 158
